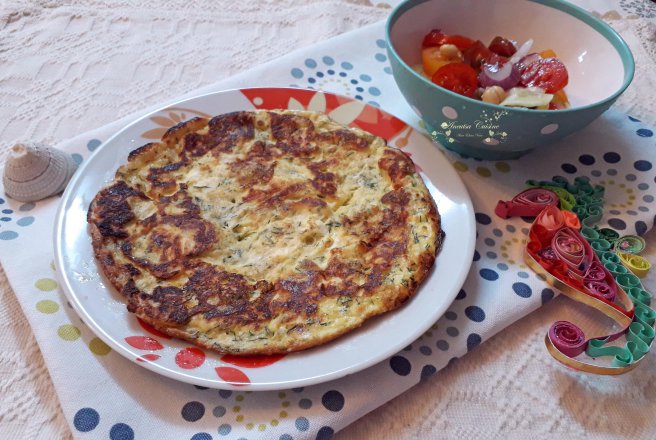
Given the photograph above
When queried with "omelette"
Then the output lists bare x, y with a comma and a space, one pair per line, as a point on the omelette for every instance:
264, 232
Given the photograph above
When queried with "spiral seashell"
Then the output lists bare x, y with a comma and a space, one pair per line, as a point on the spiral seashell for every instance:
33, 172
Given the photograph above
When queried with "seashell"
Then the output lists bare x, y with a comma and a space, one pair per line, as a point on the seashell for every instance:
33, 172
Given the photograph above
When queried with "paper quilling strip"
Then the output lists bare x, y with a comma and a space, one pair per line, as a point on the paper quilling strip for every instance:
593, 266
528, 203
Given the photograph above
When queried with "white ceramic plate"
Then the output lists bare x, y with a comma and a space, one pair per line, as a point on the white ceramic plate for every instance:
103, 310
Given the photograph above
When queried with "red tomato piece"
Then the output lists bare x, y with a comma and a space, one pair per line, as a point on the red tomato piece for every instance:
477, 54
433, 38
550, 74
502, 46
457, 77
437, 38
459, 41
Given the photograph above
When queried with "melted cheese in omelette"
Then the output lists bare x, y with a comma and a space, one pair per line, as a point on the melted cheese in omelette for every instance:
264, 232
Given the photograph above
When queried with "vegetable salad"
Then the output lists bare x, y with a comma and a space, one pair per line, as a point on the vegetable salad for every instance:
500, 73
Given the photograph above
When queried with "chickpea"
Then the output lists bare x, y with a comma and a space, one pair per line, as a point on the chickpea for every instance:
450, 52
494, 95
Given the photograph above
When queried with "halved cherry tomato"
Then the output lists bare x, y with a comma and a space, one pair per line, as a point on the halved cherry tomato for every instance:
478, 54
437, 38
457, 77
459, 41
502, 46
549, 74
433, 38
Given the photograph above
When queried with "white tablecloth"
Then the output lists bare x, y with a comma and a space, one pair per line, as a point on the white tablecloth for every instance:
66, 68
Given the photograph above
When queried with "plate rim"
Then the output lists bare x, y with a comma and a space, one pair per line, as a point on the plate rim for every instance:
184, 376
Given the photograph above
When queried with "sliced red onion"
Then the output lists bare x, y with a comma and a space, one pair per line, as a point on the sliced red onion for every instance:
567, 338
506, 76
522, 51
528, 59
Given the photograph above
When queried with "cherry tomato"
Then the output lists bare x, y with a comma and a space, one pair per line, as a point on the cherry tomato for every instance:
549, 74
457, 77
502, 46
437, 38
433, 38
478, 54
459, 41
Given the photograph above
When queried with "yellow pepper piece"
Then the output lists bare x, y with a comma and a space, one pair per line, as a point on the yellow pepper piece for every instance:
432, 59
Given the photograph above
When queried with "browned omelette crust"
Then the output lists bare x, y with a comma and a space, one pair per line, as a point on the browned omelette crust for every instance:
264, 232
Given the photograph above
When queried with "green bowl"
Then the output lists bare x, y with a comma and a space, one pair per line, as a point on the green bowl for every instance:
599, 63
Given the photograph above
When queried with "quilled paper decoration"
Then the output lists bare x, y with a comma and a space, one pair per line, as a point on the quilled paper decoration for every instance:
594, 266
580, 197
635, 263
528, 203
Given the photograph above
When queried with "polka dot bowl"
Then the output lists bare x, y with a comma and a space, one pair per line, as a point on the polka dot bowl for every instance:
599, 63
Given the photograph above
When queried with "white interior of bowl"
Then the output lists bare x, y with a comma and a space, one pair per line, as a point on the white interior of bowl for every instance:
594, 65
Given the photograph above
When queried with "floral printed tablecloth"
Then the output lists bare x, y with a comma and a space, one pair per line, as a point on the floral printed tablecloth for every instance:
129, 402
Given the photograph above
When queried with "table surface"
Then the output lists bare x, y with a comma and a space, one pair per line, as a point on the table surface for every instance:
68, 67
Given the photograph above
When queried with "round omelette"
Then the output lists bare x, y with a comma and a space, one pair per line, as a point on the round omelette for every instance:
263, 232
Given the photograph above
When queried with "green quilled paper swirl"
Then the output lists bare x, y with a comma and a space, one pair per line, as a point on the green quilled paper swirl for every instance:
618, 256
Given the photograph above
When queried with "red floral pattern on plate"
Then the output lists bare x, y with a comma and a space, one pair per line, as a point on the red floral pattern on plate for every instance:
232, 375
148, 357
369, 118
189, 358
144, 343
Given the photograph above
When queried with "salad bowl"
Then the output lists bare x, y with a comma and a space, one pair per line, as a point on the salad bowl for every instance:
599, 64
